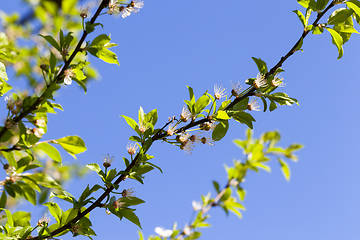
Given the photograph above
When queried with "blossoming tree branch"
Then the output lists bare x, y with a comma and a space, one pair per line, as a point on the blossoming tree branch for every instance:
64, 35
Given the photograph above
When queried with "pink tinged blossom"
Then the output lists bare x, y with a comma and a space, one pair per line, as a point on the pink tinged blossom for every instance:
171, 129
118, 203
68, 75
253, 105
107, 160
187, 146
260, 81
236, 89
132, 148
44, 221
128, 192
162, 232
84, 11
219, 92
113, 7
185, 114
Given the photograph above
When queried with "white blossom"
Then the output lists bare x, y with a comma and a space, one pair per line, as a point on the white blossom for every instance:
196, 205
163, 232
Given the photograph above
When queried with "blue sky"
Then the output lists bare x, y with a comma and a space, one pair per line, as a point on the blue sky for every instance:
171, 44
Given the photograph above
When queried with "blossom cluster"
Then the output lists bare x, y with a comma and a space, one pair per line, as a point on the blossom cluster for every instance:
132, 7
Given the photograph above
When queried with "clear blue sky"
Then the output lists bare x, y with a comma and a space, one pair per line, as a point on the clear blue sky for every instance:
171, 44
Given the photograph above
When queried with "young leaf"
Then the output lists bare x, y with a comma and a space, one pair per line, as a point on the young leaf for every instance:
191, 93
51, 151
201, 103
54, 210
354, 5
301, 17
3, 74
339, 16
337, 41
261, 65
52, 41
131, 123
99, 48
285, 169
72, 144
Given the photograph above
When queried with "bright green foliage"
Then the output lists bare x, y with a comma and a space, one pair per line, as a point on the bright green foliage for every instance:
99, 48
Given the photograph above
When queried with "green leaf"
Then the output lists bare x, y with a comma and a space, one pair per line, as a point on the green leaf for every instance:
54, 210
244, 118
3, 74
317, 30
337, 41
132, 123
51, 151
304, 3
285, 169
94, 167
298, 47
44, 180
261, 65
264, 102
99, 48
131, 201
216, 186
130, 215
89, 28
10, 220
221, 115
191, 93
272, 106
339, 16
242, 105
201, 103
64, 196
354, 5
81, 84
321, 4
226, 195
10, 157
220, 130
4, 87
301, 17
28, 192
72, 144
52, 42
241, 193
3, 199
151, 117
